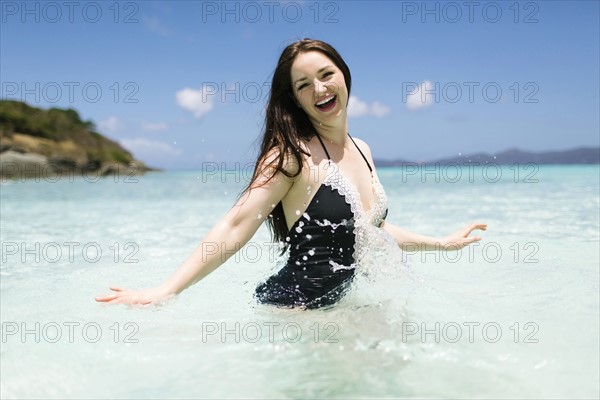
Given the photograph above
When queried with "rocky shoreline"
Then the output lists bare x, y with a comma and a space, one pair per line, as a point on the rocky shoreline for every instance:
17, 164
38, 143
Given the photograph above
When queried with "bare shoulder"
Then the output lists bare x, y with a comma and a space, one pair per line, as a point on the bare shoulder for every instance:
272, 159
364, 147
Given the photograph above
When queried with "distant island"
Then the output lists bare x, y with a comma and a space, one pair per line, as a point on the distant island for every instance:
581, 155
36, 142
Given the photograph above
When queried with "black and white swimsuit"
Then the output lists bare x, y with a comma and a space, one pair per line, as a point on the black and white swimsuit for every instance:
326, 243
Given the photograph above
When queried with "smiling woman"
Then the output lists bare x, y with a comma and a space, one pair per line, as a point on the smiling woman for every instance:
316, 187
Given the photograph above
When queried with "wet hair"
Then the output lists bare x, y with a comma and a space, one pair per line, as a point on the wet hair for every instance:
286, 125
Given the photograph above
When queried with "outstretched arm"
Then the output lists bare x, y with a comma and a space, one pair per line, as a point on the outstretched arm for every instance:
413, 241
231, 233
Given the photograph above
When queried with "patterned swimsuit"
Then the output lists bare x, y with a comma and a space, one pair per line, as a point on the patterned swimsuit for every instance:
325, 244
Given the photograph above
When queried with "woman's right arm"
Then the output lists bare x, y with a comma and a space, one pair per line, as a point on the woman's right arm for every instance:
228, 236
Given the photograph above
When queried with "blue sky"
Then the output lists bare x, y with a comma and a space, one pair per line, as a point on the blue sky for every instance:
182, 83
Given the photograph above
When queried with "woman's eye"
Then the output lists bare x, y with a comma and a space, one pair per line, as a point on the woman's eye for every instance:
302, 86
327, 74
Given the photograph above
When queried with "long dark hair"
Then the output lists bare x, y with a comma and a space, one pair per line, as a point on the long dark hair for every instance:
286, 124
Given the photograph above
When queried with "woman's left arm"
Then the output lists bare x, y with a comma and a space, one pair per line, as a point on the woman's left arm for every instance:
410, 241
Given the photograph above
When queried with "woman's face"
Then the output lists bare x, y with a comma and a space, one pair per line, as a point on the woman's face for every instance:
319, 87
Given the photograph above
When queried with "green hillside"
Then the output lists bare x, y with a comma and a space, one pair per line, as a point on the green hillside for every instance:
73, 137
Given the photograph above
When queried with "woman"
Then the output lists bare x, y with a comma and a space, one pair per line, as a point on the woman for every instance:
314, 184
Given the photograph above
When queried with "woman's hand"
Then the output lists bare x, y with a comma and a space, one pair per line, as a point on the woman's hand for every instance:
141, 296
460, 238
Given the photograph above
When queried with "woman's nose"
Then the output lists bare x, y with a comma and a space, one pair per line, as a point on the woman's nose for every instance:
320, 88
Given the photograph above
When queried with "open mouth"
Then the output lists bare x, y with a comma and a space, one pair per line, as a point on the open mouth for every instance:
327, 103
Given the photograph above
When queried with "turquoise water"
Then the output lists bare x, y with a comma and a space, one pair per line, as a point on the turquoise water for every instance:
516, 316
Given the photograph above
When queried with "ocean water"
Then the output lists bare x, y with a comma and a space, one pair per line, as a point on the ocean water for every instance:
516, 316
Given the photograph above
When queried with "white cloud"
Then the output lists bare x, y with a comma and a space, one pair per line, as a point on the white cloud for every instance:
420, 99
358, 108
196, 101
111, 124
380, 110
154, 126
